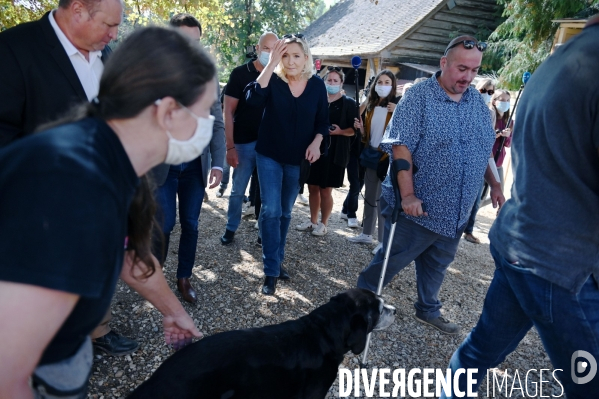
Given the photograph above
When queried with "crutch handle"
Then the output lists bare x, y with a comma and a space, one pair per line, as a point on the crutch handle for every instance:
397, 166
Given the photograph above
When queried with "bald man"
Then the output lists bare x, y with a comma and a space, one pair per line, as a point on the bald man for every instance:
443, 127
241, 130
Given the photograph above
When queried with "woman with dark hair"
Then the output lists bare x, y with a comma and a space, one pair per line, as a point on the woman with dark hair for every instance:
376, 114
294, 124
328, 172
500, 106
69, 200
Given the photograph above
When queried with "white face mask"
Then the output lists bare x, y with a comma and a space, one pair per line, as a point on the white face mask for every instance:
486, 97
382, 91
264, 58
502, 106
180, 151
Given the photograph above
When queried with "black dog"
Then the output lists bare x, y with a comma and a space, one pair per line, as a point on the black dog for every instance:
295, 359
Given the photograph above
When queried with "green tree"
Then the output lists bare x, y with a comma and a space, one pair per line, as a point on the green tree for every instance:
523, 41
14, 12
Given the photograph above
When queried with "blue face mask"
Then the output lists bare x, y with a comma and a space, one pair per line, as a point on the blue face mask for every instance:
333, 89
263, 58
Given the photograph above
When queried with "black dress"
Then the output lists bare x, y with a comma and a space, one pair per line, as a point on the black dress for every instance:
326, 172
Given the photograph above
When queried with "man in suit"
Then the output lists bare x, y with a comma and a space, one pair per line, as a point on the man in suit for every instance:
188, 182
48, 66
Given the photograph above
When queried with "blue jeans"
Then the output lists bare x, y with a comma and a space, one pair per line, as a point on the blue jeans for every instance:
356, 182
431, 252
470, 225
183, 181
226, 175
279, 186
246, 155
516, 300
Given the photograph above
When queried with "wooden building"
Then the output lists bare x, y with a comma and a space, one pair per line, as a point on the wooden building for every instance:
568, 28
406, 36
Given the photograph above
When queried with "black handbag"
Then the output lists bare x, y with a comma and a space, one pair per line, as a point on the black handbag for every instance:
370, 157
304, 172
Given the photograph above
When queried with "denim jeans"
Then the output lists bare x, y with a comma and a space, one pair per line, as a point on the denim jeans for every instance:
431, 252
226, 175
516, 300
470, 225
185, 182
246, 155
356, 182
279, 186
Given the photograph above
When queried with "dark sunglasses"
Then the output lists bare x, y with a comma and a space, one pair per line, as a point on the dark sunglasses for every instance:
483, 91
468, 45
298, 35
333, 68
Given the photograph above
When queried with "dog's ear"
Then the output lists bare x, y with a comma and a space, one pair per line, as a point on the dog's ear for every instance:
356, 339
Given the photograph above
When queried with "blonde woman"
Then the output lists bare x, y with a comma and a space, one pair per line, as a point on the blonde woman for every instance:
294, 123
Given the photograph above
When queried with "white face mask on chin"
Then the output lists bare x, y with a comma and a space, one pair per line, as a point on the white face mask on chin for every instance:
180, 151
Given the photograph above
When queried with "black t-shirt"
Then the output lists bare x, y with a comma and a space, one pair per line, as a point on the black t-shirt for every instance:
65, 195
247, 117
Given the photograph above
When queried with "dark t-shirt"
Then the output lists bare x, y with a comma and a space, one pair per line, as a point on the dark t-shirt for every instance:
247, 117
551, 223
65, 195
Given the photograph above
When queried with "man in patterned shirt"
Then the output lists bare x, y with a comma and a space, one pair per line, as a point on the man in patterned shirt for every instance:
441, 126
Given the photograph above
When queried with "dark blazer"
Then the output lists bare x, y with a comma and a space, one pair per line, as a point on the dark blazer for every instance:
38, 83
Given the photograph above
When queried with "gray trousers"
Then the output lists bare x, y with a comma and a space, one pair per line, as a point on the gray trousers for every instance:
431, 252
372, 209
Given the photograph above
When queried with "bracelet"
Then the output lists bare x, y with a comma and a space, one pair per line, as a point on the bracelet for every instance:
231, 148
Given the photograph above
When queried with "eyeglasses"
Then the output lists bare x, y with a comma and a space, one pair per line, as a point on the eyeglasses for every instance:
483, 91
298, 35
469, 45
334, 68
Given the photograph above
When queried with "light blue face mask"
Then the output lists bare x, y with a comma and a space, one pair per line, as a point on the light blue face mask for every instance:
502, 106
333, 89
263, 58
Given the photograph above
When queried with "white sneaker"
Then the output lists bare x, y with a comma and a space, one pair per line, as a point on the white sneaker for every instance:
376, 249
248, 210
320, 230
302, 200
343, 216
257, 226
353, 223
306, 226
362, 238
220, 192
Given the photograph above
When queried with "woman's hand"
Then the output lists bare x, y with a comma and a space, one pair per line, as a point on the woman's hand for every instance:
313, 151
335, 131
358, 124
179, 329
506, 132
391, 107
277, 51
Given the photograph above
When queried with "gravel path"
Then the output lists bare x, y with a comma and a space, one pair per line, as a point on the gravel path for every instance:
228, 281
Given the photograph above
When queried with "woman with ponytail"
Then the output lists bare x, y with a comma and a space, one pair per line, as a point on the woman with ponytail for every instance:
79, 211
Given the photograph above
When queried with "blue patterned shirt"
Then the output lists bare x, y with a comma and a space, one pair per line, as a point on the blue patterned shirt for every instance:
450, 143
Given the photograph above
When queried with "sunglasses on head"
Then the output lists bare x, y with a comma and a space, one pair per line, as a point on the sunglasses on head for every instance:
490, 91
468, 45
298, 35
334, 68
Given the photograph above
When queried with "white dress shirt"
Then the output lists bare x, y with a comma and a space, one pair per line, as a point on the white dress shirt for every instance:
89, 72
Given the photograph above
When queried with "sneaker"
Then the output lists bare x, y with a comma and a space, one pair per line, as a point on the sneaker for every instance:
220, 192
257, 226
248, 210
362, 238
376, 249
320, 230
308, 225
343, 216
441, 324
115, 344
206, 199
302, 200
353, 223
